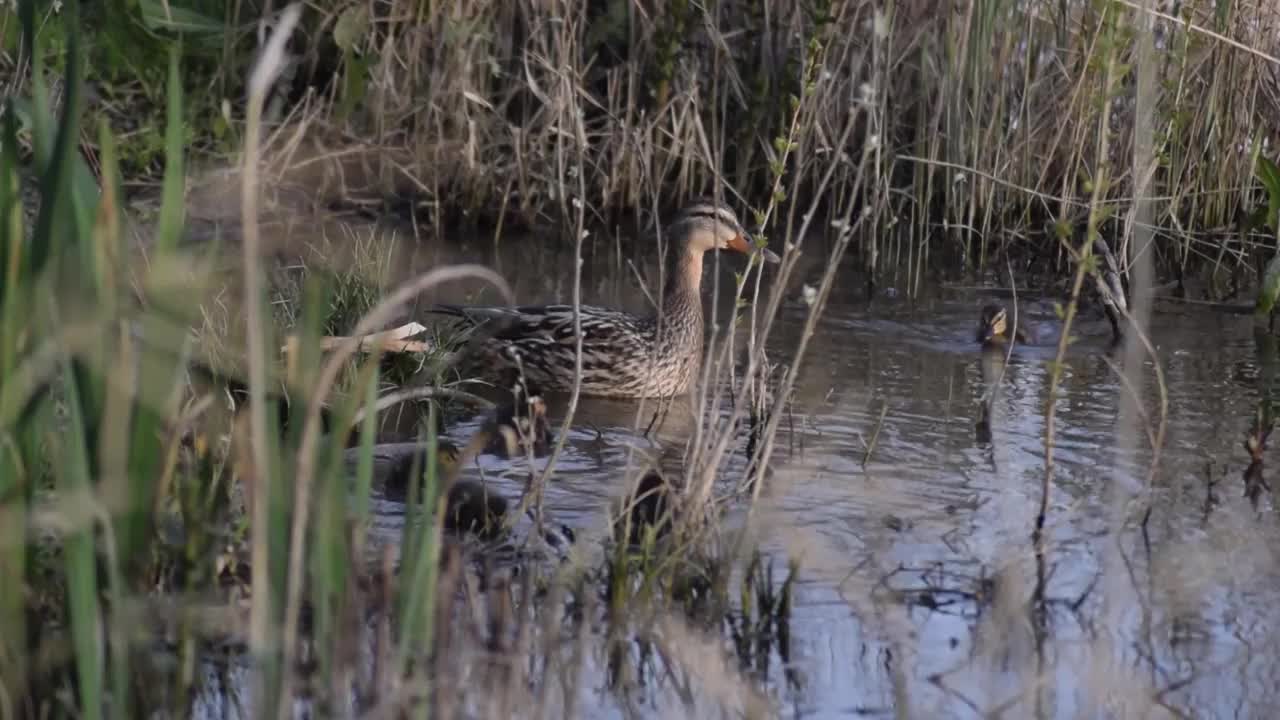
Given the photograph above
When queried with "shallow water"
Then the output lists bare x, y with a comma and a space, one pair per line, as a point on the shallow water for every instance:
919, 593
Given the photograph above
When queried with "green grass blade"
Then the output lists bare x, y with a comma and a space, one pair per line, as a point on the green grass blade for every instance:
1270, 176
131, 515
39, 110
107, 224
326, 554
54, 182
172, 205
12, 243
14, 483
364, 466
1268, 289
73, 473
419, 552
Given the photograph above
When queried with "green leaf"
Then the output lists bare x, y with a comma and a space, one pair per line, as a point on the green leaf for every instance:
171, 206
1269, 289
354, 81
1269, 174
351, 27
166, 16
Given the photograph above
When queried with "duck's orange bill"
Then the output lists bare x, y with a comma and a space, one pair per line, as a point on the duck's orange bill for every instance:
744, 246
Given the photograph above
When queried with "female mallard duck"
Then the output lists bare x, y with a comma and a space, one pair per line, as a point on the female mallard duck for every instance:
995, 329
623, 355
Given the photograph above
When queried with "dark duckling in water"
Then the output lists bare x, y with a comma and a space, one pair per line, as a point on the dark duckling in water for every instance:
995, 328
508, 432
515, 428
470, 507
511, 430
649, 505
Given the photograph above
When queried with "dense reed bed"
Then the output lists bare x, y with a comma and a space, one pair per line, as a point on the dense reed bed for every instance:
502, 114
146, 519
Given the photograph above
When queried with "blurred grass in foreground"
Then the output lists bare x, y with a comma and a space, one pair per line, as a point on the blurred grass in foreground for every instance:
111, 486
142, 526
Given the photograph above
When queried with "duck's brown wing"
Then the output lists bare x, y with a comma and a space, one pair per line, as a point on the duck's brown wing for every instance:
616, 346
554, 324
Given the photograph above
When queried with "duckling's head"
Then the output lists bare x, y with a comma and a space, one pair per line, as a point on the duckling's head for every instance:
410, 468
706, 225
994, 324
522, 424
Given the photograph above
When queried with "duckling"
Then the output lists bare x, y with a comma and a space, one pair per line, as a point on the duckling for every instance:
993, 328
508, 432
204, 379
648, 505
470, 507
521, 426
404, 469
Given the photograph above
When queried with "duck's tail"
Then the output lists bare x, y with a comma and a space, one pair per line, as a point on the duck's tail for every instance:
475, 313
446, 309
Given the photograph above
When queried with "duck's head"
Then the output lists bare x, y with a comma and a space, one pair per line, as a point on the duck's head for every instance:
705, 225
994, 324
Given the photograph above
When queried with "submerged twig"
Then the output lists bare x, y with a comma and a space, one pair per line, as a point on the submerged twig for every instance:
875, 434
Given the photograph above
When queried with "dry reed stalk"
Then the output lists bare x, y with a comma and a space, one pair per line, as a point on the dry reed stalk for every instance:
393, 340
568, 110
261, 635
1139, 243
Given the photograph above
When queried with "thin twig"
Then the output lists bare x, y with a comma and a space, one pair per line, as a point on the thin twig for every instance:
1203, 31
875, 434
419, 393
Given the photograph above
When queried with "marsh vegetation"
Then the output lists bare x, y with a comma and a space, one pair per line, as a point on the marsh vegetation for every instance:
216, 500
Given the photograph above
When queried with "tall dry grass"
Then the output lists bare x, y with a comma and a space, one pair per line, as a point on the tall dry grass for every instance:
983, 119
983, 116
